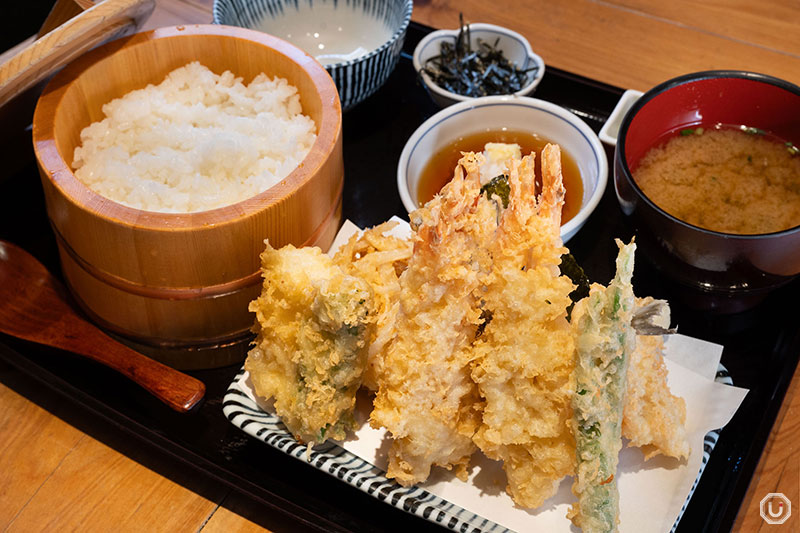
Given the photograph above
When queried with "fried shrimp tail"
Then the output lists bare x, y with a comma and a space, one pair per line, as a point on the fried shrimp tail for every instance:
310, 350
553, 192
523, 360
426, 399
605, 341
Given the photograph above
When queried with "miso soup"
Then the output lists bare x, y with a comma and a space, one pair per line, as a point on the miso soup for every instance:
728, 179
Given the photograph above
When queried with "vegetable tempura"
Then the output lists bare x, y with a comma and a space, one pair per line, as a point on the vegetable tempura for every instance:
653, 419
378, 259
479, 332
604, 342
309, 355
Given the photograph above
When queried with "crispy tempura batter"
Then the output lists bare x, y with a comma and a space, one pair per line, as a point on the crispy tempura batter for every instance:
311, 321
425, 397
654, 419
604, 342
524, 358
468, 343
378, 259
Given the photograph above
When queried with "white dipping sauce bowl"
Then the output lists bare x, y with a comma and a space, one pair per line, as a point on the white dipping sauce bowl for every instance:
516, 113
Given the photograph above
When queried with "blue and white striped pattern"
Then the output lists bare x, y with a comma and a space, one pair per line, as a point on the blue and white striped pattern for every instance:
709, 441
240, 408
356, 79
242, 411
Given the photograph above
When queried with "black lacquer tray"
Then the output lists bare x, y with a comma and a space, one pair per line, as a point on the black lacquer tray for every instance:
761, 346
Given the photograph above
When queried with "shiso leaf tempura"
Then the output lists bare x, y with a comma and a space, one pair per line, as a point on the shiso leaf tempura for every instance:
604, 342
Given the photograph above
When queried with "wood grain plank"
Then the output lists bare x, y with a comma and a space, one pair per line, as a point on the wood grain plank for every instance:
615, 41
226, 521
33, 444
778, 470
95, 488
771, 24
613, 44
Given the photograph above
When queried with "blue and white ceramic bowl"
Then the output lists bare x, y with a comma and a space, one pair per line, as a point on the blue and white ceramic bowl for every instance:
357, 41
514, 46
516, 113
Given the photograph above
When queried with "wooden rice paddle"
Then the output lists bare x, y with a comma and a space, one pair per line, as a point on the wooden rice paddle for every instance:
33, 307
52, 50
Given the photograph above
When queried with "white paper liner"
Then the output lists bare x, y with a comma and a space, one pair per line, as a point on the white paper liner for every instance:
652, 493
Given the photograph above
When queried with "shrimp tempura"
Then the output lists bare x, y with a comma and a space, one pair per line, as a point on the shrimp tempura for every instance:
426, 399
524, 358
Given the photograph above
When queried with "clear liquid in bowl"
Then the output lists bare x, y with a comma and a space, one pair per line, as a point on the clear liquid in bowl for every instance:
331, 34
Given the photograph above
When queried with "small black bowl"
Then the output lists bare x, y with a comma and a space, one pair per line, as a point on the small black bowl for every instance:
714, 271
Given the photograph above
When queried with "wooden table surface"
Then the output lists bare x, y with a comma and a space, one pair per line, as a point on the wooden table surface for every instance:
54, 475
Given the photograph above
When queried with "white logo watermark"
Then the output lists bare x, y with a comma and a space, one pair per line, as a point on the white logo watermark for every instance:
775, 508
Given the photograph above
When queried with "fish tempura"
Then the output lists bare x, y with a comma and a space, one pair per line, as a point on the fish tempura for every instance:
653, 419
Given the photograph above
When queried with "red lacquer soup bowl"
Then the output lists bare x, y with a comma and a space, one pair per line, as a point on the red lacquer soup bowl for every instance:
723, 271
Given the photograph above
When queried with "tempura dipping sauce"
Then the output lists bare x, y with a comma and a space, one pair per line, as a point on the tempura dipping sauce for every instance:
729, 179
439, 170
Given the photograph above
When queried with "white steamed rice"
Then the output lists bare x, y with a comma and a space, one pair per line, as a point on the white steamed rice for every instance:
196, 141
